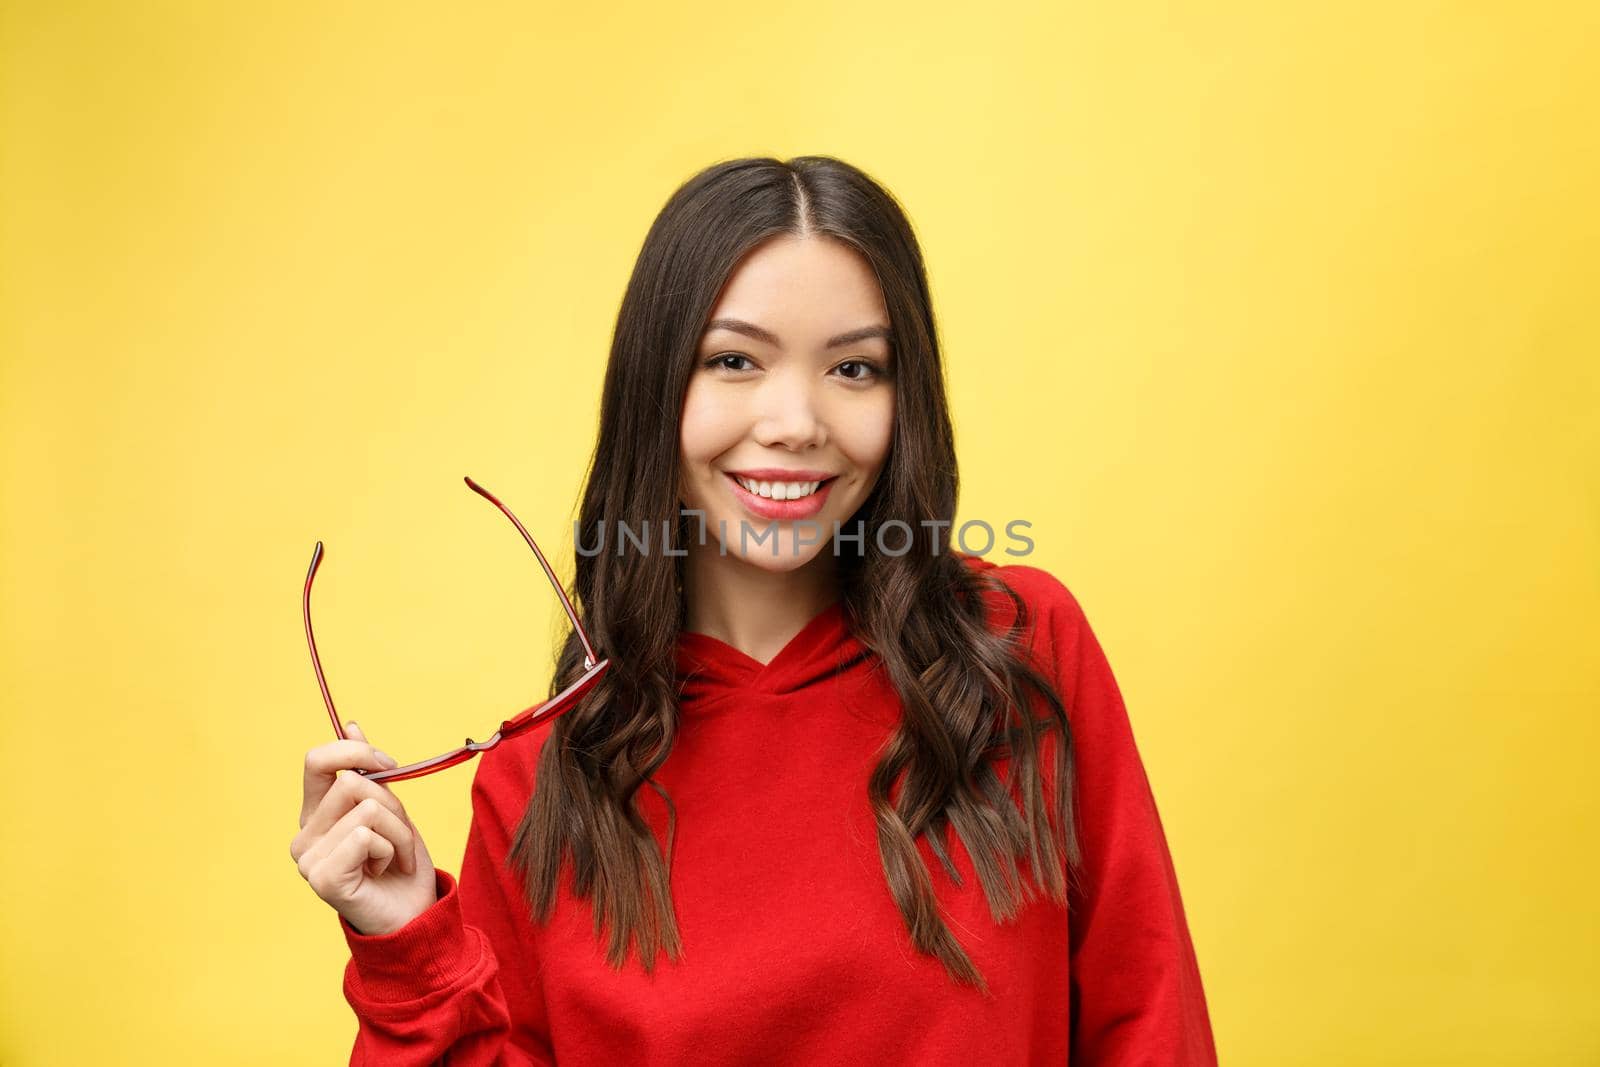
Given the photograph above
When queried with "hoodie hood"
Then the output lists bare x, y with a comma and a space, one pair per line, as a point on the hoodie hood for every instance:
825, 649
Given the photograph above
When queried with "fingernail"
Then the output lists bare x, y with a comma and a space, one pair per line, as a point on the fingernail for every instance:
384, 758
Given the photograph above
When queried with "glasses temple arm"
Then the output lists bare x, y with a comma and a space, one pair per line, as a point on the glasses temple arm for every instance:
316, 661
589, 657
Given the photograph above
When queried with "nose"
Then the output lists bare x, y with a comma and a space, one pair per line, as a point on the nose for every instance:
789, 415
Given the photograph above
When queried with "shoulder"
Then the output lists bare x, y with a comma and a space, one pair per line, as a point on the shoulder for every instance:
504, 778
1050, 605
1055, 631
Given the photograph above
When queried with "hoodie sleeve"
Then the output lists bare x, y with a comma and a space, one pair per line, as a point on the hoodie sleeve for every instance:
1136, 992
455, 984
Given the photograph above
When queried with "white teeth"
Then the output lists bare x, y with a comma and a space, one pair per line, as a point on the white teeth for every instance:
779, 490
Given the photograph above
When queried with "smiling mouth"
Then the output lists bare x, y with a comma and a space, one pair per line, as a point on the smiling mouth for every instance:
750, 485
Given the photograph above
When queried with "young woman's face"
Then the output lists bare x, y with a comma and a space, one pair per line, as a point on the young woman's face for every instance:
791, 387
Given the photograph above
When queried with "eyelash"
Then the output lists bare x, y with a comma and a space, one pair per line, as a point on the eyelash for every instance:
872, 365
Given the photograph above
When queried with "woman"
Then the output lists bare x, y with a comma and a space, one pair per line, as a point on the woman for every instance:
813, 715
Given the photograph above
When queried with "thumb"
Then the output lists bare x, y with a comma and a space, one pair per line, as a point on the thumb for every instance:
353, 733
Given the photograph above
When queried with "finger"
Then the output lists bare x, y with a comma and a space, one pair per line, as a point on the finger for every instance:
340, 873
386, 823
359, 848
353, 732
323, 764
348, 791
366, 816
385, 761
375, 866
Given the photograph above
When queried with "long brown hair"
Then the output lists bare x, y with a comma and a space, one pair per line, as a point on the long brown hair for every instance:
963, 687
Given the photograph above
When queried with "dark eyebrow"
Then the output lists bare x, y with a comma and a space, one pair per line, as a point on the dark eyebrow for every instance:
750, 329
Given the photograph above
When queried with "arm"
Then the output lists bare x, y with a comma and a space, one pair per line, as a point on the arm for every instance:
455, 981
1137, 996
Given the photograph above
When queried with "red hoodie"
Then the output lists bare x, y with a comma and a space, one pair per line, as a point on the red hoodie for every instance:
793, 949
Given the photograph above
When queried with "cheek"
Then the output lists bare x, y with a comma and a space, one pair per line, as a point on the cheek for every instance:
705, 431
870, 433
692, 427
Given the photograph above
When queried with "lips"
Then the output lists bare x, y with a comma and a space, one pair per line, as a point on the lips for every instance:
783, 510
779, 474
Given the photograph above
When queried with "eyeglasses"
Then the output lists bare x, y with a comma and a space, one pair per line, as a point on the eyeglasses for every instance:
521, 722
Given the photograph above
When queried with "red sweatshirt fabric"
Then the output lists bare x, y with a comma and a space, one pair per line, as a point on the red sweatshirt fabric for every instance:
794, 951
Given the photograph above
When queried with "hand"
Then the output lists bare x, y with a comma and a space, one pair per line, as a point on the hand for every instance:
357, 846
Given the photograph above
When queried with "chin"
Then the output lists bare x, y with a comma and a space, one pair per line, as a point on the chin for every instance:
780, 564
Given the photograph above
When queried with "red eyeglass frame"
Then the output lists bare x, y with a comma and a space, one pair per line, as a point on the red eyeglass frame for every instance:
521, 722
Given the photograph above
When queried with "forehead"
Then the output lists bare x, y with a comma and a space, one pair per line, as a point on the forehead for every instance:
803, 288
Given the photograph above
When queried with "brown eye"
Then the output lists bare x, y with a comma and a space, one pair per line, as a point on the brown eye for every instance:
718, 361
869, 369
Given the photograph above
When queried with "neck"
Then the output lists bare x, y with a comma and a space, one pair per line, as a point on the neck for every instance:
753, 609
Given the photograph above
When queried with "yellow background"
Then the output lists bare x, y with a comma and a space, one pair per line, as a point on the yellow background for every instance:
1277, 323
